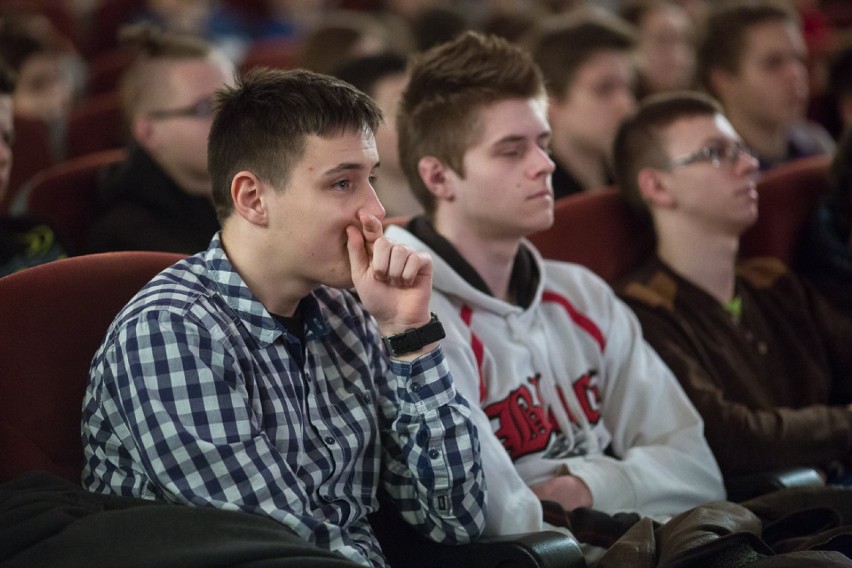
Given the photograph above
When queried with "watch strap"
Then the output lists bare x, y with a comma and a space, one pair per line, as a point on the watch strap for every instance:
415, 338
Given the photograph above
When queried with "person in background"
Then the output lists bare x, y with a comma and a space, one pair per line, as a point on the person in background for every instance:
50, 73
250, 377
574, 408
383, 76
23, 242
158, 198
825, 256
345, 35
665, 51
752, 58
587, 60
765, 360
222, 24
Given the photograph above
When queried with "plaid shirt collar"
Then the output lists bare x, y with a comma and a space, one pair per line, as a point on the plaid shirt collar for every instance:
254, 316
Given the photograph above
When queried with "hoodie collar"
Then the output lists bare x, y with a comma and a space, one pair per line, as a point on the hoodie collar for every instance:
523, 283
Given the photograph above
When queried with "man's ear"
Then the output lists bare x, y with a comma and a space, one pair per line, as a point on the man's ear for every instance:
142, 129
653, 188
249, 196
434, 174
720, 82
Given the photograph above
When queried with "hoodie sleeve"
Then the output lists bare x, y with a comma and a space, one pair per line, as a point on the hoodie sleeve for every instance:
662, 463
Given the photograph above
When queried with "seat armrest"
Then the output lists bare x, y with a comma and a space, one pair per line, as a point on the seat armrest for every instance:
545, 549
744, 487
404, 546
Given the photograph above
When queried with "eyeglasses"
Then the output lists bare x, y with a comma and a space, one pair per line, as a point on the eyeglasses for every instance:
729, 152
201, 109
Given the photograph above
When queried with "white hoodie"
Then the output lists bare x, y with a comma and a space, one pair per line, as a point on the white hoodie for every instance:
559, 382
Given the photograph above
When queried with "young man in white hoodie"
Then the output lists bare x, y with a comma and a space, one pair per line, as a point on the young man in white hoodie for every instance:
574, 406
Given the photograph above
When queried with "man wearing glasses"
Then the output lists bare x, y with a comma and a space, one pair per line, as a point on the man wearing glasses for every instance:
764, 359
159, 197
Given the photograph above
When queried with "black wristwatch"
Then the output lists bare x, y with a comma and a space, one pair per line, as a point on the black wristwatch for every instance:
415, 338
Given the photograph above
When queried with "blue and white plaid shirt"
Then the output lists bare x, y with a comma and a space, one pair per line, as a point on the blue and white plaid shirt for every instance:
193, 398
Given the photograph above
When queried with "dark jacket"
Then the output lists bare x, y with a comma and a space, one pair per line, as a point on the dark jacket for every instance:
141, 208
772, 384
826, 255
25, 243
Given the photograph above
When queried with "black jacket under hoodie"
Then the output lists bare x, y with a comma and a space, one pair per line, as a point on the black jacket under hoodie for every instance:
141, 208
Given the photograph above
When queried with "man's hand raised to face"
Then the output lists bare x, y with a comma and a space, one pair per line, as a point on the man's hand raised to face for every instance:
393, 281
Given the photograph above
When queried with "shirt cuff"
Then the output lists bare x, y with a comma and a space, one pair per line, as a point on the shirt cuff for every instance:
426, 381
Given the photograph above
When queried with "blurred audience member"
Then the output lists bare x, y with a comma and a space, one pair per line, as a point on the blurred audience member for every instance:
50, 73
290, 19
586, 58
383, 77
752, 58
217, 22
23, 242
159, 198
826, 254
511, 23
665, 54
435, 25
345, 35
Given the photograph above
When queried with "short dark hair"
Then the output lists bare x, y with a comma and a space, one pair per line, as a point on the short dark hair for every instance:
263, 121
562, 45
364, 72
639, 144
448, 86
724, 34
8, 79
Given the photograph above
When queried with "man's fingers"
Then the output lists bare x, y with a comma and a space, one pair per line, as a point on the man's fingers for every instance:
372, 228
417, 264
358, 258
396, 263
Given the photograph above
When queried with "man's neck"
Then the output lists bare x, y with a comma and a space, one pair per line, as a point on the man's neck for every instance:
279, 294
492, 259
705, 258
586, 165
769, 141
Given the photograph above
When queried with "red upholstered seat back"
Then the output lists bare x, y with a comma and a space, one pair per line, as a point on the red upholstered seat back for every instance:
788, 195
596, 229
54, 317
64, 195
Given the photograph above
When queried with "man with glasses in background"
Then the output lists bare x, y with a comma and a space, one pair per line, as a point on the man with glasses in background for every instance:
159, 197
765, 360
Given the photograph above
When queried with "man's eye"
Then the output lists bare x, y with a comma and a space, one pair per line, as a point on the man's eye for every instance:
342, 184
715, 153
513, 153
373, 179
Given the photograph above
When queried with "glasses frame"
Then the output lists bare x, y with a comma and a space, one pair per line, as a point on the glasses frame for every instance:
729, 152
200, 109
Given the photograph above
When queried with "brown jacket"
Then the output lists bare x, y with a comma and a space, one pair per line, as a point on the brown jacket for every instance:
771, 385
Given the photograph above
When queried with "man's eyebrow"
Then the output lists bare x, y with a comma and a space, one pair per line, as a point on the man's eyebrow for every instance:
717, 139
345, 167
510, 139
